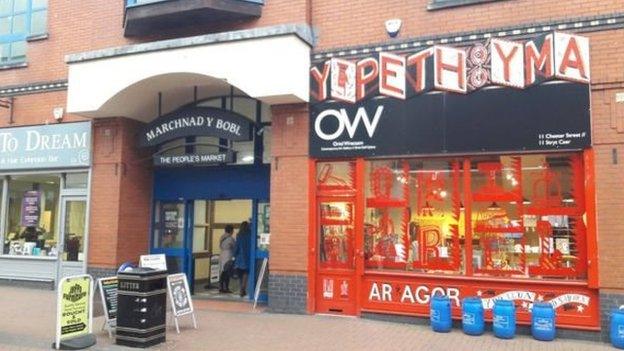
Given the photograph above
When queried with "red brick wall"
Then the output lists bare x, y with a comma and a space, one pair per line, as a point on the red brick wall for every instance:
135, 196
346, 23
105, 193
120, 194
607, 55
289, 194
77, 26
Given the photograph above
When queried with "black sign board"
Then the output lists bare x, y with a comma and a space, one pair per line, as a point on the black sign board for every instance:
108, 289
197, 121
553, 116
179, 294
205, 159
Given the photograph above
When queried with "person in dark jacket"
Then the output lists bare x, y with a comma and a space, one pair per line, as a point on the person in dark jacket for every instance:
241, 255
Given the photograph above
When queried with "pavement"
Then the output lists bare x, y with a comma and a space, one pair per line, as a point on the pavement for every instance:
27, 318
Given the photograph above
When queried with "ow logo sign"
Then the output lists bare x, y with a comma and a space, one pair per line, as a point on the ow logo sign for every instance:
344, 122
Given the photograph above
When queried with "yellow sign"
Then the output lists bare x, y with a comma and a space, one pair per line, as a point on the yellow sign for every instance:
74, 307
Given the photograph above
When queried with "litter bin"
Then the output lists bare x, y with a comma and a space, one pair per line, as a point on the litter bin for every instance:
141, 307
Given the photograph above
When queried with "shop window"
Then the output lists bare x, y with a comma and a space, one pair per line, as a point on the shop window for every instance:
169, 225
521, 216
19, 21
76, 180
336, 234
413, 215
266, 141
75, 230
244, 152
33, 209
335, 178
442, 4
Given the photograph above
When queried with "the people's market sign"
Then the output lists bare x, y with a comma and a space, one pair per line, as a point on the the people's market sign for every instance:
497, 85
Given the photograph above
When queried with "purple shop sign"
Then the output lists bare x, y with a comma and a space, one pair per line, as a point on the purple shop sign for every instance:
30, 208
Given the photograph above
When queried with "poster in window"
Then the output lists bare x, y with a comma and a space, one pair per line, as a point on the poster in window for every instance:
31, 208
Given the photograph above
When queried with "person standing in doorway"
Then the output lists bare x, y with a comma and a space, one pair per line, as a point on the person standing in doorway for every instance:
226, 244
241, 254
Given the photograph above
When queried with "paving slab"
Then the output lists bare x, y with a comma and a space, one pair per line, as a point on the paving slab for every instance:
27, 318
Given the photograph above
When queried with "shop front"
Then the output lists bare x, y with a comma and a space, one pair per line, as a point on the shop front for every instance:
211, 162
45, 171
455, 171
193, 143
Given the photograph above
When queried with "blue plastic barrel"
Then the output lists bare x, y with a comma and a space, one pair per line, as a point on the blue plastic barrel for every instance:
543, 321
472, 316
617, 328
504, 319
440, 314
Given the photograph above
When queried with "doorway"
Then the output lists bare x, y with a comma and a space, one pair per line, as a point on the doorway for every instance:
188, 232
73, 234
211, 217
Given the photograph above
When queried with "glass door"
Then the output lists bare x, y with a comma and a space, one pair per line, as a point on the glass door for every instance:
169, 234
336, 256
73, 235
260, 250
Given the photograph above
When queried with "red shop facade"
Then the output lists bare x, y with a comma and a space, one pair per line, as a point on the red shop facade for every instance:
462, 171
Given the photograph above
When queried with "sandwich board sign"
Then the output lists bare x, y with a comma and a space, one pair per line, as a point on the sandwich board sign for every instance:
74, 313
180, 296
157, 262
108, 292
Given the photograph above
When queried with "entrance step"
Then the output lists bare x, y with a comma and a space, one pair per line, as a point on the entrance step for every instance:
210, 304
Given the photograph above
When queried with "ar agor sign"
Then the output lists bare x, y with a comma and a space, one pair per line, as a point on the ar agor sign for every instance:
50, 146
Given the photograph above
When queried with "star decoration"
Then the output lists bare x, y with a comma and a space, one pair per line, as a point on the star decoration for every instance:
580, 308
479, 292
525, 305
540, 298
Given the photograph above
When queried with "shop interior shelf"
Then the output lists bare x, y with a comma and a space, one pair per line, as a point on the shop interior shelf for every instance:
329, 221
502, 230
553, 211
493, 271
374, 202
494, 197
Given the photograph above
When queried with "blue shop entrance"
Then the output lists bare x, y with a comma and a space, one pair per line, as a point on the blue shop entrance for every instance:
211, 172
191, 211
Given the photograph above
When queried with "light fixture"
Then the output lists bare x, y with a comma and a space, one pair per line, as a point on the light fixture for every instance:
247, 159
443, 193
494, 207
567, 198
57, 112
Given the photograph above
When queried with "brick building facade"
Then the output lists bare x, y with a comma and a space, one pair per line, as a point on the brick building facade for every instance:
123, 189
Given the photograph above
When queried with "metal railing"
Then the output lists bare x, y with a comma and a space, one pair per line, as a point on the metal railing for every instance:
130, 3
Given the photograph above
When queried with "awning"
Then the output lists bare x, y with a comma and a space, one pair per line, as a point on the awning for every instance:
270, 64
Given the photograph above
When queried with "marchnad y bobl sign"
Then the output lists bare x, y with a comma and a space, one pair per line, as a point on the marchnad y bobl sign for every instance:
197, 121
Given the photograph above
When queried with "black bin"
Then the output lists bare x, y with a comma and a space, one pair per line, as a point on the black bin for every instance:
141, 307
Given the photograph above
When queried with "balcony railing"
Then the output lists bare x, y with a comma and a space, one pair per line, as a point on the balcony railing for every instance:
145, 2
146, 17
